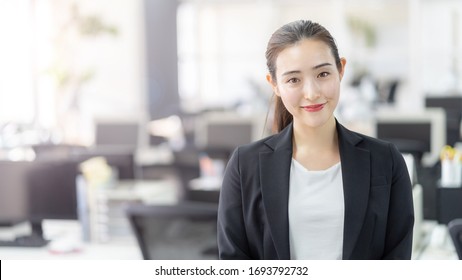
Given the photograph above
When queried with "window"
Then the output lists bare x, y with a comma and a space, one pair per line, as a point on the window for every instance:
17, 67
221, 51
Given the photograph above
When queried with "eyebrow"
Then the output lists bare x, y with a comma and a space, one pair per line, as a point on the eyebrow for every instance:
322, 65
314, 68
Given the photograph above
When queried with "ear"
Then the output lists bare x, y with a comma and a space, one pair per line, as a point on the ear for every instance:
272, 83
342, 71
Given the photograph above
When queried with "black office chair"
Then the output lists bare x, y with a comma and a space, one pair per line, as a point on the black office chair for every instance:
455, 231
174, 232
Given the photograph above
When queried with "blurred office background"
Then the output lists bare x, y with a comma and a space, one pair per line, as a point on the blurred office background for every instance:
118, 117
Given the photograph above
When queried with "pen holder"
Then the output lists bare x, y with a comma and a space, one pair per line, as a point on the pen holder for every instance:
451, 173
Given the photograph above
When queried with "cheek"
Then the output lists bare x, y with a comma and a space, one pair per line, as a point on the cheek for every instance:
290, 98
331, 90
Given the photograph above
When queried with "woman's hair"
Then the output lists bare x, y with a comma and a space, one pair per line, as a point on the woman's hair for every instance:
286, 36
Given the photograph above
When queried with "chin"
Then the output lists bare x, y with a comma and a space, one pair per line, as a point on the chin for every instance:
315, 122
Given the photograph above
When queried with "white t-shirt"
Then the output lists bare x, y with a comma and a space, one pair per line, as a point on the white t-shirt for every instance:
316, 213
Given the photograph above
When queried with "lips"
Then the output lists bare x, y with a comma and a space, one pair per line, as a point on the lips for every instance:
314, 107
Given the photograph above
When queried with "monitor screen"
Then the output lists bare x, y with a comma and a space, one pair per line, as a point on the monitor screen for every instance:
13, 191
31, 191
449, 103
117, 134
227, 130
409, 136
452, 105
51, 192
421, 134
229, 135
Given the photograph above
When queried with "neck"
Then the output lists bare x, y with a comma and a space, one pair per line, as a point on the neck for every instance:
315, 139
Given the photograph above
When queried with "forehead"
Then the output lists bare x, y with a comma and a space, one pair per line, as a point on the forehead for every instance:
306, 53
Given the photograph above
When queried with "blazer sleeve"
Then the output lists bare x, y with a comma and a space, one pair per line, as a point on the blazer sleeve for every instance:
232, 239
398, 243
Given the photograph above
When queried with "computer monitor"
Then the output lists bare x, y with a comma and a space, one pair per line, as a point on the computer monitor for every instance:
51, 190
421, 134
32, 191
117, 133
13, 192
226, 130
452, 105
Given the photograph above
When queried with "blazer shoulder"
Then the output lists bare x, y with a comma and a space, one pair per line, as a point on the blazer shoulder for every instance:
378, 148
256, 146
365, 141
372, 140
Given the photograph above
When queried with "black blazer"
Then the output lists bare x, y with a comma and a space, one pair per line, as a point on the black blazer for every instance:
253, 209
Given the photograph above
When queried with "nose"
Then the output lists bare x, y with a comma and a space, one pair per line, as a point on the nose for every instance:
311, 90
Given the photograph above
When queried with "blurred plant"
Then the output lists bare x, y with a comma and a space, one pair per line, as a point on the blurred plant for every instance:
363, 29
94, 26
77, 27
67, 69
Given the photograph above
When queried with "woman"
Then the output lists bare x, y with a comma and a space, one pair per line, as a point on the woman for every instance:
314, 190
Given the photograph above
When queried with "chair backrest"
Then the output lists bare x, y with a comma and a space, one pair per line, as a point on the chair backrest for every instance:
455, 231
172, 232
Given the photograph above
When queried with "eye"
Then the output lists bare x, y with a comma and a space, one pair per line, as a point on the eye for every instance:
323, 74
293, 80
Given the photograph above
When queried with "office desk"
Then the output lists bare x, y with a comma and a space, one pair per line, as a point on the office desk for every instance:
111, 236
88, 252
70, 233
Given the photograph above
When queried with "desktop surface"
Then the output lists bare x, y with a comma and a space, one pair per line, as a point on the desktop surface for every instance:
66, 244
65, 236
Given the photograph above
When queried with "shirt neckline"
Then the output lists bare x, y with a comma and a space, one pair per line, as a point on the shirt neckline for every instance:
304, 169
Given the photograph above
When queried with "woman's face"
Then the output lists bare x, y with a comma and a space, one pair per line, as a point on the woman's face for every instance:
308, 82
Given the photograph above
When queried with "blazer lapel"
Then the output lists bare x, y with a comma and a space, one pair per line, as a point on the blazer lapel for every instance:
356, 178
274, 178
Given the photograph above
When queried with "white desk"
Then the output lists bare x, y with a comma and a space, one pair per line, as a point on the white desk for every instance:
68, 233
88, 252
148, 191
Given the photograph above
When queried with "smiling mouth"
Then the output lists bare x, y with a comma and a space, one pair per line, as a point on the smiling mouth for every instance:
314, 108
